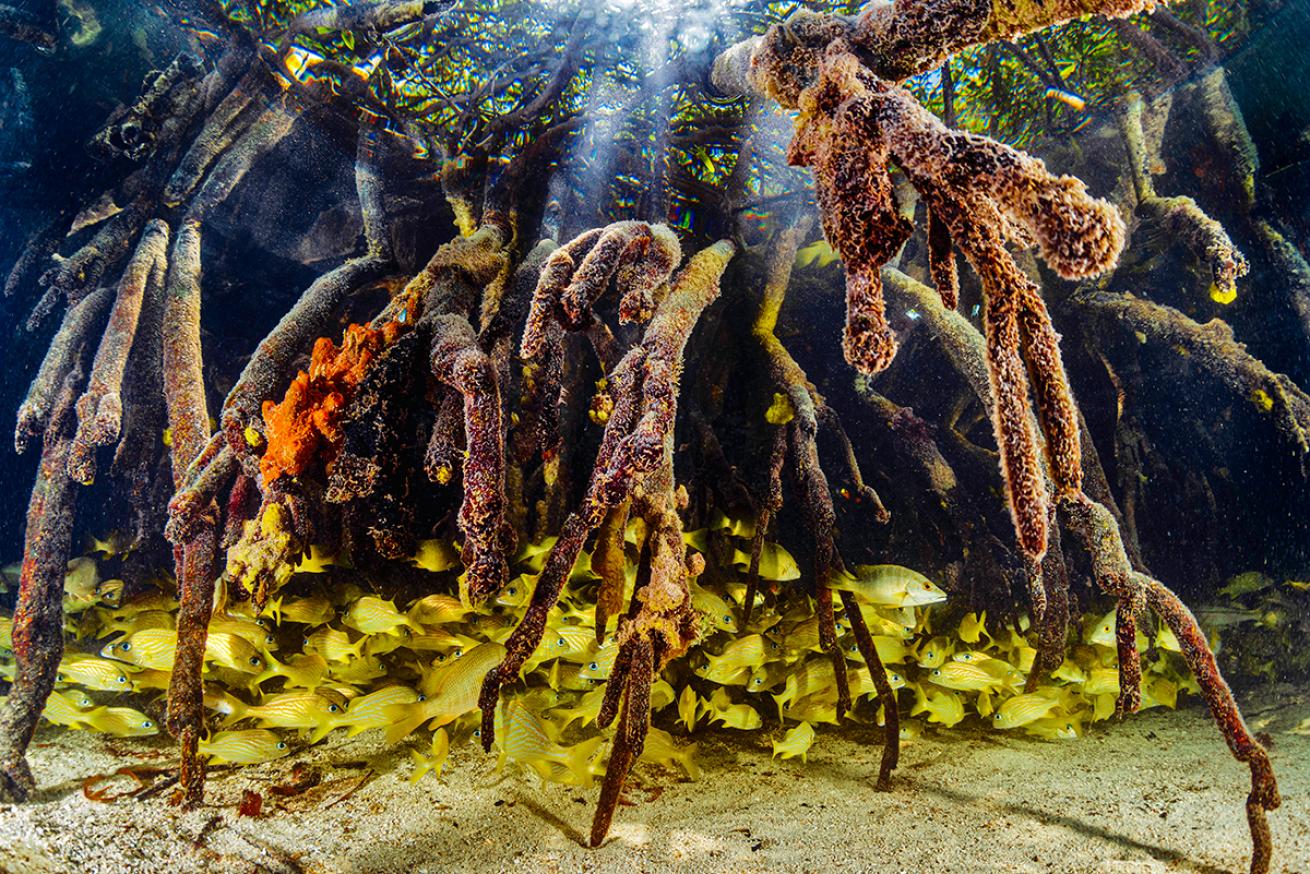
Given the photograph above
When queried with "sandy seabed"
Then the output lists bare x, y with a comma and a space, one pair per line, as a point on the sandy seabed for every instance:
1157, 793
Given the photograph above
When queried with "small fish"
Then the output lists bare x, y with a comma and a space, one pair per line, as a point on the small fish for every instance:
316, 561
298, 708
586, 710
715, 610
437, 610
973, 627
965, 677
1057, 727
301, 670
945, 707
796, 742
126, 625
1023, 709
602, 662
532, 556
1159, 692
1102, 681
572, 643
742, 654
71, 710
776, 563
94, 673
524, 738
358, 671
373, 615
148, 648
740, 716
818, 254
688, 707
435, 556
233, 652
1068, 98
517, 592
249, 747
121, 722
452, 694
81, 580
334, 645
252, 631
743, 527
369, 711
890, 585
662, 749
314, 610
934, 653
1070, 672
434, 760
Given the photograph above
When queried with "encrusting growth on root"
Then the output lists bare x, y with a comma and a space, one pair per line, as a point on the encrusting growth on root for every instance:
635, 462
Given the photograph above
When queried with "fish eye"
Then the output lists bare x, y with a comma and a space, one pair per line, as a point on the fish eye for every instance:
758, 681
125, 647
457, 653
262, 623
441, 656
477, 732
936, 672
593, 666
512, 591
727, 617
896, 677
147, 724
332, 708
268, 638
282, 745
122, 679
422, 697
561, 642
256, 661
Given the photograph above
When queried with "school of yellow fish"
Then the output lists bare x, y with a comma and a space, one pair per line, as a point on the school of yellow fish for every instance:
322, 658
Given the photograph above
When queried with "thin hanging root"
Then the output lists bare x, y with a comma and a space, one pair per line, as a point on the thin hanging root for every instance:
458, 361
631, 737
1130, 660
1196, 650
188, 418
38, 630
100, 409
891, 740
1099, 534
609, 561
941, 262
80, 322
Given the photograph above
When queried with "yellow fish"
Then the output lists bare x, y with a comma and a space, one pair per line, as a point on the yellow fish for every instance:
301, 670
453, 693
586, 710
249, 630
81, 580
662, 749
70, 711
298, 708
369, 711
359, 671
314, 610
776, 563
86, 670
533, 556
1057, 727
1159, 692
819, 254
945, 707
148, 648
522, 737
1102, 681
743, 528
6, 632
334, 645
688, 707
434, 760
934, 653
889, 585
741, 655
373, 615
1024, 709
1070, 672
740, 716
121, 722
435, 556
517, 592
796, 742
602, 662
125, 624
316, 561
715, 610
964, 677
437, 610
568, 642
250, 747
973, 627
144, 679
233, 652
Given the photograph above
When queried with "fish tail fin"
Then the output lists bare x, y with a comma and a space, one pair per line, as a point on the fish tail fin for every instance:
421, 766
406, 719
323, 730
578, 759
686, 758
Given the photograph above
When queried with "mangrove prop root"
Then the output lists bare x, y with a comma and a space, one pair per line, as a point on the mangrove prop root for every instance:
458, 361
644, 391
891, 737
631, 737
38, 629
100, 409
188, 418
79, 323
